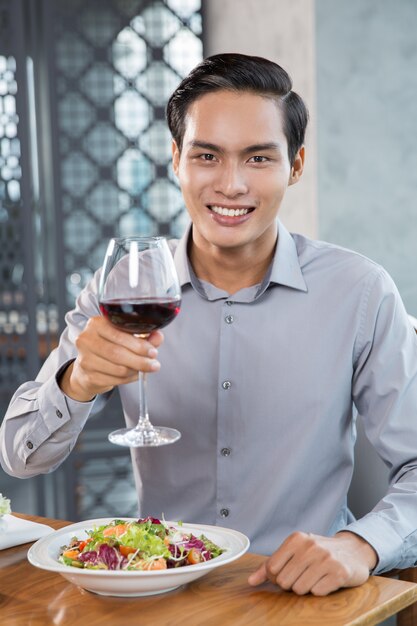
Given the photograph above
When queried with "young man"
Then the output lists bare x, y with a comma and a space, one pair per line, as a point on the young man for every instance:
279, 337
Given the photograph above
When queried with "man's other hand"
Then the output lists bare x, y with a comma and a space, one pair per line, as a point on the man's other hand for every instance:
307, 563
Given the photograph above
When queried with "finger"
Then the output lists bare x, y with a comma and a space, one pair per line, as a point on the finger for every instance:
121, 358
100, 343
139, 345
290, 573
327, 584
259, 576
308, 578
156, 338
135, 351
285, 553
115, 361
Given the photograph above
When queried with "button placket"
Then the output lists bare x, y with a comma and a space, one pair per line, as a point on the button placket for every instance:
225, 490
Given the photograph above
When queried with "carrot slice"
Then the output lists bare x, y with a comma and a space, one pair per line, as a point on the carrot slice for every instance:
115, 531
71, 554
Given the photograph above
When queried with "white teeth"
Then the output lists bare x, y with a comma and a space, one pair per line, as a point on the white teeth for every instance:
229, 212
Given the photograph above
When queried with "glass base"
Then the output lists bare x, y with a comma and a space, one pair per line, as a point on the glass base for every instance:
133, 438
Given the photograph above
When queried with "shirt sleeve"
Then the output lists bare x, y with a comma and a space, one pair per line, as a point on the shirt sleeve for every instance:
385, 394
42, 424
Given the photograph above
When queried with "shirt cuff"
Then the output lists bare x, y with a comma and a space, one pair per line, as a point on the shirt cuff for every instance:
380, 534
58, 409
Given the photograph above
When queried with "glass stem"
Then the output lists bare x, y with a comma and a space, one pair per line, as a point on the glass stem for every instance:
143, 423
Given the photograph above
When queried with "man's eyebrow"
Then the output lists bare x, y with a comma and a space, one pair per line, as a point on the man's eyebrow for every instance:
262, 147
257, 147
205, 145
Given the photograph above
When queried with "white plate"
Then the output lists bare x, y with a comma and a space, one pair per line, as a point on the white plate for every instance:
45, 552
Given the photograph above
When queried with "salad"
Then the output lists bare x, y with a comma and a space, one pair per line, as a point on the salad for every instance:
146, 544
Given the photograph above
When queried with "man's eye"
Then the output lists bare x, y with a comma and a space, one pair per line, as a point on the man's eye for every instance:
258, 159
207, 157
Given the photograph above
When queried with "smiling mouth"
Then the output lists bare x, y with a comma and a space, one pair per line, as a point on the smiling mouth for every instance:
227, 212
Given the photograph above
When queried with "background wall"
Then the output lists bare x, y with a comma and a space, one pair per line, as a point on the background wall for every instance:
366, 118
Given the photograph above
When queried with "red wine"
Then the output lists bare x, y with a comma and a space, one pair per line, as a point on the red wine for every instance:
141, 316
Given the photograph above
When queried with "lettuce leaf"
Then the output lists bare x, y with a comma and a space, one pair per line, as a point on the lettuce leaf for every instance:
146, 542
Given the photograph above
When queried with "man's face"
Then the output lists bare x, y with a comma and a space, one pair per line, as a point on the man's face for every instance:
233, 169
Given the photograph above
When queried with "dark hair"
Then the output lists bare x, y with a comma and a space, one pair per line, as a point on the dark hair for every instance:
240, 72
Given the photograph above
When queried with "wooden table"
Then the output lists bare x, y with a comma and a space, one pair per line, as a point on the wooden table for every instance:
29, 596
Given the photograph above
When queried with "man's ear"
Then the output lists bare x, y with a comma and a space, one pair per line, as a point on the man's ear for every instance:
175, 157
297, 167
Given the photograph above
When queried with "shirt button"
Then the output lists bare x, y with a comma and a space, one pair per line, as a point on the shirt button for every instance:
229, 319
226, 384
58, 413
229, 302
225, 451
29, 445
224, 512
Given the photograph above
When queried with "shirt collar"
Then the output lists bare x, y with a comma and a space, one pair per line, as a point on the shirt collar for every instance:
284, 270
181, 260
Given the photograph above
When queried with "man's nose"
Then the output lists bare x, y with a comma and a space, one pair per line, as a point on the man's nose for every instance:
231, 181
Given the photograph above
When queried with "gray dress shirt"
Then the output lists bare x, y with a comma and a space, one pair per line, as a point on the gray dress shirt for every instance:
264, 385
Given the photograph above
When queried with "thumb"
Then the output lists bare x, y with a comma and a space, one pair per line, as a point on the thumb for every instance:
258, 577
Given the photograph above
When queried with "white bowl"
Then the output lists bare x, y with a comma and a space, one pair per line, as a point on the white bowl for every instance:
45, 552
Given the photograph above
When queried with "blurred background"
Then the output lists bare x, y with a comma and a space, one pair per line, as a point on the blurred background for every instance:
85, 155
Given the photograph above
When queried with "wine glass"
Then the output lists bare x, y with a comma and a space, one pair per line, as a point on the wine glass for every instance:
139, 292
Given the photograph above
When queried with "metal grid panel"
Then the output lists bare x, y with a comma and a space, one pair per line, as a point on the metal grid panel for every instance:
114, 66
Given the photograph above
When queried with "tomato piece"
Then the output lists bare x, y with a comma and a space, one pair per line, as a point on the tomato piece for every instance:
194, 556
82, 544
